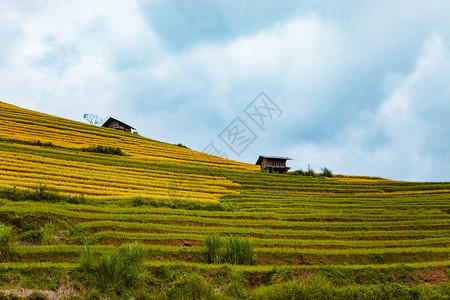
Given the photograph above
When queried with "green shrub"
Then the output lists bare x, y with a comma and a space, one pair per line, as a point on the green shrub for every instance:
41, 144
239, 250
177, 204
31, 143
317, 289
40, 194
7, 238
236, 288
139, 201
300, 172
310, 172
109, 271
326, 172
181, 145
297, 172
227, 206
104, 149
48, 232
213, 244
193, 287
32, 236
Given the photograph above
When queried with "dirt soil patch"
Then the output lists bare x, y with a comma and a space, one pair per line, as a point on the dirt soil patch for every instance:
432, 275
65, 291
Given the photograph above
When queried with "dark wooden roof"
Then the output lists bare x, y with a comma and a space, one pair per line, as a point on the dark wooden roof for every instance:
112, 119
261, 157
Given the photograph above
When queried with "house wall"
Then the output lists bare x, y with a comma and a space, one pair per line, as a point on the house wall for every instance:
118, 125
267, 162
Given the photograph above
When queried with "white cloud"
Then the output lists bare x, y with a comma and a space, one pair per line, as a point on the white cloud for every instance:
63, 59
289, 60
414, 118
301, 50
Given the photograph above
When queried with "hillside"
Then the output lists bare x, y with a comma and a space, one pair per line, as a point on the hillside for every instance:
348, 230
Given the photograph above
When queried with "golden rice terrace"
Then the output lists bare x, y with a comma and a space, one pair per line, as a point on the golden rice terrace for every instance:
350, 230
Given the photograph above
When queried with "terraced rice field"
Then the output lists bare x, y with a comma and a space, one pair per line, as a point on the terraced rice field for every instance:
295, 222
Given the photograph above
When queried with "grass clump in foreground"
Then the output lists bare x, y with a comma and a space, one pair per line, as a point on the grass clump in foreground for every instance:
239, 250
135, 272
233, 250
87, 260
109, 270
213, 245
7, 238
48, 233
115, 270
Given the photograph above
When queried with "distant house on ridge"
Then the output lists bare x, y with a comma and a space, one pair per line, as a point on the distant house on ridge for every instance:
116, 124
273, 163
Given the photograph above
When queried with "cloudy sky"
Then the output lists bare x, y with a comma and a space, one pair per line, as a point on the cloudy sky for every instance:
361, 87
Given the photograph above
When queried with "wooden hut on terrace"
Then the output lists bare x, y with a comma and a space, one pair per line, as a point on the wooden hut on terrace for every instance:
116, 124
273, 163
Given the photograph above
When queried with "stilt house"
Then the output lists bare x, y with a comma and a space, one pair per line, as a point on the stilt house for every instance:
273, 163
116, 124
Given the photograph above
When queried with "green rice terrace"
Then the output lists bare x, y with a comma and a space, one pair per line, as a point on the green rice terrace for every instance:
81, 219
